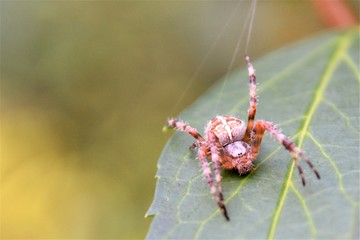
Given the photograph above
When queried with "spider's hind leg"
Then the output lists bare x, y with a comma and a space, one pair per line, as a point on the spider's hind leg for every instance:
258, 133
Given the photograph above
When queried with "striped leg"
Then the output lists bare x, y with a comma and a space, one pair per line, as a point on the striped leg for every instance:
258, 133
217, 193
202, 152
252, 108
216, 154
181, 126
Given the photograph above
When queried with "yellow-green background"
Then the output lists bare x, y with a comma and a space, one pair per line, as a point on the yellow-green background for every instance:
85, 89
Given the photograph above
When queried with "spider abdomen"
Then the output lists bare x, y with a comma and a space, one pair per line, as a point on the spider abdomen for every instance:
226, 129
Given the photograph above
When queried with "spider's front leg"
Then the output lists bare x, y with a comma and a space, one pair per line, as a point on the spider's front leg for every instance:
217, 154
181, 126
217, 193
257, 135
203, 153
253, 100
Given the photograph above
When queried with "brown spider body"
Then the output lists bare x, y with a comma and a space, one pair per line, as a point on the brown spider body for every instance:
232, 144
236, 153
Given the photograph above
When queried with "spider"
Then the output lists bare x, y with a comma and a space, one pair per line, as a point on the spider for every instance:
232, 144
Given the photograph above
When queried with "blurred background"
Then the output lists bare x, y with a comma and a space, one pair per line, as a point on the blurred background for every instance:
85, 89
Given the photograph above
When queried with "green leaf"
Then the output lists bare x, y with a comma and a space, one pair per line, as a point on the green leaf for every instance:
311, 91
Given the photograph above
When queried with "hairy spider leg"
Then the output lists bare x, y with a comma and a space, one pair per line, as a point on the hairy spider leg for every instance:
181, 126
257, 135
217, 192
216, 152
253, 100
208, 176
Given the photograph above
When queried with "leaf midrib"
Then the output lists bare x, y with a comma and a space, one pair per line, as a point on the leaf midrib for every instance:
343, 43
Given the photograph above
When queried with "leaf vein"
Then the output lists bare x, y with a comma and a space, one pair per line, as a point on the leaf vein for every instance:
336, 169
343, 43
341, 114
307, 212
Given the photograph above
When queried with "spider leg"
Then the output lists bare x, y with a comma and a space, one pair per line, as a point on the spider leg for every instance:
257, 135
194, 145
181, 126
216, 156
217, 193
253, 100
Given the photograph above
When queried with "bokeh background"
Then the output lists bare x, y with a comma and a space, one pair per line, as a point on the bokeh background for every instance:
85, 89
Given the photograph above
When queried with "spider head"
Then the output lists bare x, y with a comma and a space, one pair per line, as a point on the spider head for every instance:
244, 166
238, 151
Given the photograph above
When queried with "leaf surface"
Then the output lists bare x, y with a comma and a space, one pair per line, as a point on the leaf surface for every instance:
311, 91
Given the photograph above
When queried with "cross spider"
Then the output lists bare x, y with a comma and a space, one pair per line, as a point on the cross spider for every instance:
231, 144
